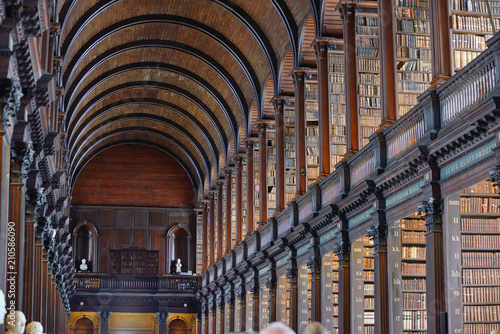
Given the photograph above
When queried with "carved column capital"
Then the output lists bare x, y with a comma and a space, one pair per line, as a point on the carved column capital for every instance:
378, 233
22, 154
298, 75
104, 315
347, 9
291, 273
271, 283
433, 212
241, 294
342, 251
249, 143
321, 48
314, 264
495, 176
279, 104
10, 100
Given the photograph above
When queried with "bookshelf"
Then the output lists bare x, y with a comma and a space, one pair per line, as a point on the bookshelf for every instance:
471, 24
363, 289
244, 207
216, 229
233, 209
224, 221
368, 57
257, 190
309, 294
282, 296
312, 130
413, 51
369, 286
475, 268
335, 294
133, 261
407, 246
287, 299
200, 231
336, 90
271, 170
290, 160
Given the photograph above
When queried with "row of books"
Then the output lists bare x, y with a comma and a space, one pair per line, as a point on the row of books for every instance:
366, 31
413, 252
312, 131
369, 303
480, 225
368, 89
365, 101
312, 151
368, 275
412, 3
413, 26
369, 21
416, 65
476, 6
336, 108
482, 313
479, 205
419, 13
481, 276
410, 52
481, 241
414, 300
462, 58
413, 268
414, 320
371, 65
369, 329
369, 112
412, 87
414, 76
481, 295
416, 41
338, 120
369, 78
415, 284
480, 328
369, 318
481, 259
483, 187
338, 149
336, 58
412, 236
469, 41
368, 263
473, 23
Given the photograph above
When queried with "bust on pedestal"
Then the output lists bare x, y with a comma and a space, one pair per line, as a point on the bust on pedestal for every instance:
15, 323
83, 266
34, 327
178, 266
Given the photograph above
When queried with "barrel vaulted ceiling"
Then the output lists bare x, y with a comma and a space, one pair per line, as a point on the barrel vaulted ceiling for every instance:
187, 76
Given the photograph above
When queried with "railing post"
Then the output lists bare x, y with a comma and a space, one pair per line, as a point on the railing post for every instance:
432, 114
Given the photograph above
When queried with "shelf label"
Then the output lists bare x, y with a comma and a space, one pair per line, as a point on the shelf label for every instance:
468, 160
404, 194
360, 218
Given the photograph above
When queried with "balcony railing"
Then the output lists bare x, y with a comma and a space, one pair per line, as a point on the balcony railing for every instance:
105, 282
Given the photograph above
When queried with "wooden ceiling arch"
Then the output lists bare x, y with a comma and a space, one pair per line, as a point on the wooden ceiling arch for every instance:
189, 76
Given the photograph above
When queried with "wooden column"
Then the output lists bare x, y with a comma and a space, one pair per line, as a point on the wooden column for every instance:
204, 212
279, 110
230, 301
206, 315
221, 326
242, 300
38, 286
387, 62
441, 52
262, 127
300, 130
250, 185
220, 221
291, 276
321, 49
45, 293
316, 309
379, 235
213, 317
4, 202
271, 285
256, 307
103, 322
343, 253
347, 11
239, 197
211, 204
229, 199
434, 283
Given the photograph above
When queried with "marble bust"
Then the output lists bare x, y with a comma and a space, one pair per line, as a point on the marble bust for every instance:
178, 266
15, 323
3, 310
83, 265
34, 327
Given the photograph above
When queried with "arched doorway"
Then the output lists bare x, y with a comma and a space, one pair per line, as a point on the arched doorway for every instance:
179, 247
177, 326
85, 241
83, 326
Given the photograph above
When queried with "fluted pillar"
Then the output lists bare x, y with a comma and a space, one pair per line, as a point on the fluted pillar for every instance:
204, 212
250, 185
262, 127
291, 276
220, 221
343, 253
279, 110
211, 199
229, 200
314, 265
300, 129
239, 198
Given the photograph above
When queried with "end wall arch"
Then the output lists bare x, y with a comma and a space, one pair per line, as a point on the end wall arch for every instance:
83, 325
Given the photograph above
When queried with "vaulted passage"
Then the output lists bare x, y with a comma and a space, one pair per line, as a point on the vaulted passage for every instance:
212, 167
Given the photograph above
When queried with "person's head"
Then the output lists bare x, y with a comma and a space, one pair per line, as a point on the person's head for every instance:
277, 328
16, 322
3, 310
34, 327
314, 328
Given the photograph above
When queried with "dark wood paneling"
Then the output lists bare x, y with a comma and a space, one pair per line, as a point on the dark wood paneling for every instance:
134, 175
158, 218
141, 218
141, 237
105, 243
107, 218
123, 237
